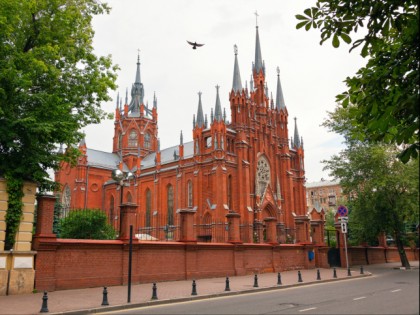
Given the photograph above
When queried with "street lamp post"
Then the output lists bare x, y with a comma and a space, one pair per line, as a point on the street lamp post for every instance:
120, 176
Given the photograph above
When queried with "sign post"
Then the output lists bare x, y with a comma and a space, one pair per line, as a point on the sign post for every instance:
342, 211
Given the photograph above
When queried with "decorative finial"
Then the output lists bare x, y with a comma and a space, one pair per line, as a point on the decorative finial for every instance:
235, 49
278, 70
199, 93
256, 18
217, 87
138, 55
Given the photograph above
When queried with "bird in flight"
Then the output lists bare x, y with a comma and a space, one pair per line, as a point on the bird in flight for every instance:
195, 45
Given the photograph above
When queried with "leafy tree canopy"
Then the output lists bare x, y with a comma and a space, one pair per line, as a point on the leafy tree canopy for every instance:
385, 93
51, 83
383, 191
86, 224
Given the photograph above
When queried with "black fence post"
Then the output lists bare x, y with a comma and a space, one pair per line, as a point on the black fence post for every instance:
279, 279
194, 288
348, 272
299, 277
335, 273
318, 275
105, 297
154, 292
44, 307
361, 270
227, 287
255, 281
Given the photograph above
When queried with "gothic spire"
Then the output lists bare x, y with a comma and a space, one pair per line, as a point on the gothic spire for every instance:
200, 117
218, 109
137, 92
236, 85
258, 65
296, 138
279, 96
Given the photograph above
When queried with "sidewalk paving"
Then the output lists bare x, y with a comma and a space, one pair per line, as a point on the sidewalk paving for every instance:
83, 301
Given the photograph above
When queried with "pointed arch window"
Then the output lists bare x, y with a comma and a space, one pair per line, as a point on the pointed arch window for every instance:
129, 198
111, 210
190, 194
229, 191
148, 208
147, 140
133, 139
65, 201
170, 203
119, 140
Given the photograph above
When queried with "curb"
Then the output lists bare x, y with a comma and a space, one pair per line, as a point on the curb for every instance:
202, 297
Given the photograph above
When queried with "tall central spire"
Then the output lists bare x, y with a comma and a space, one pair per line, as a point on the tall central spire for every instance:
258, 58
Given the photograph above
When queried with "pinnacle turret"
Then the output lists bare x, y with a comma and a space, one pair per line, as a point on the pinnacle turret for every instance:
237, 84
200, 117
218, 110
296, 138
279, 96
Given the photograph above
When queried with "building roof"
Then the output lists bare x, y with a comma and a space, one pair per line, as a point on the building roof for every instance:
322, 183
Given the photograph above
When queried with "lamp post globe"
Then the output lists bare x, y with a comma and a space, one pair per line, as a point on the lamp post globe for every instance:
117, 175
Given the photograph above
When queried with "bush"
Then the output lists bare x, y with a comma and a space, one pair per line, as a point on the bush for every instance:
86, 224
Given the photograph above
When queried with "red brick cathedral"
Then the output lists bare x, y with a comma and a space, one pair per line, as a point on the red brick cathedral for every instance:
247, 166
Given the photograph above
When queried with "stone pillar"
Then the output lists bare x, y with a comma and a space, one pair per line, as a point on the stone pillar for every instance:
234, 235
17, 272
187, 226
302, 229
259, 231
45, 216
382, 240
270, 230
281, 232
317, 233
128, 214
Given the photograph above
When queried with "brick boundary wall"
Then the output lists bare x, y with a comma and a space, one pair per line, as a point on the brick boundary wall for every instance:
71, 264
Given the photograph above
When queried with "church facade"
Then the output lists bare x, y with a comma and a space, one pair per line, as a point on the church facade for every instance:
248, 166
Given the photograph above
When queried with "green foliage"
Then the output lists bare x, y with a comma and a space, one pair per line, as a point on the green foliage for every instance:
51, 83
384, 95
87, 224
14, 209
383, 191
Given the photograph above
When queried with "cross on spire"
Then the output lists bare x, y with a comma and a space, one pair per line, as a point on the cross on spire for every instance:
256, 18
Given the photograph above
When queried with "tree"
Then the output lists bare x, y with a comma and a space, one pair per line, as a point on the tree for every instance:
51, 85
383, 191
86, 224
384, 93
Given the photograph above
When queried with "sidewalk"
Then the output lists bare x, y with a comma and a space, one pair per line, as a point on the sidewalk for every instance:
83, 301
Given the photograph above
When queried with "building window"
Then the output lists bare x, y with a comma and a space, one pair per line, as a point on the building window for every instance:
111, 210
129, 198
148, 207
133, 139
208, 142
66, 200
147, 140
229, 191
119, 140
190, 194
170, 202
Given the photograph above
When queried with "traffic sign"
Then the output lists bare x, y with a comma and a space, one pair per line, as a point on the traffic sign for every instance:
344, 227
342, 211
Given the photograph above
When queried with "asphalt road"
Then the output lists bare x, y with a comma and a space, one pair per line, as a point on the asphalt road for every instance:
388, 291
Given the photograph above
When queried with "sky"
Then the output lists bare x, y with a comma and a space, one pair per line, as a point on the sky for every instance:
311, 74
